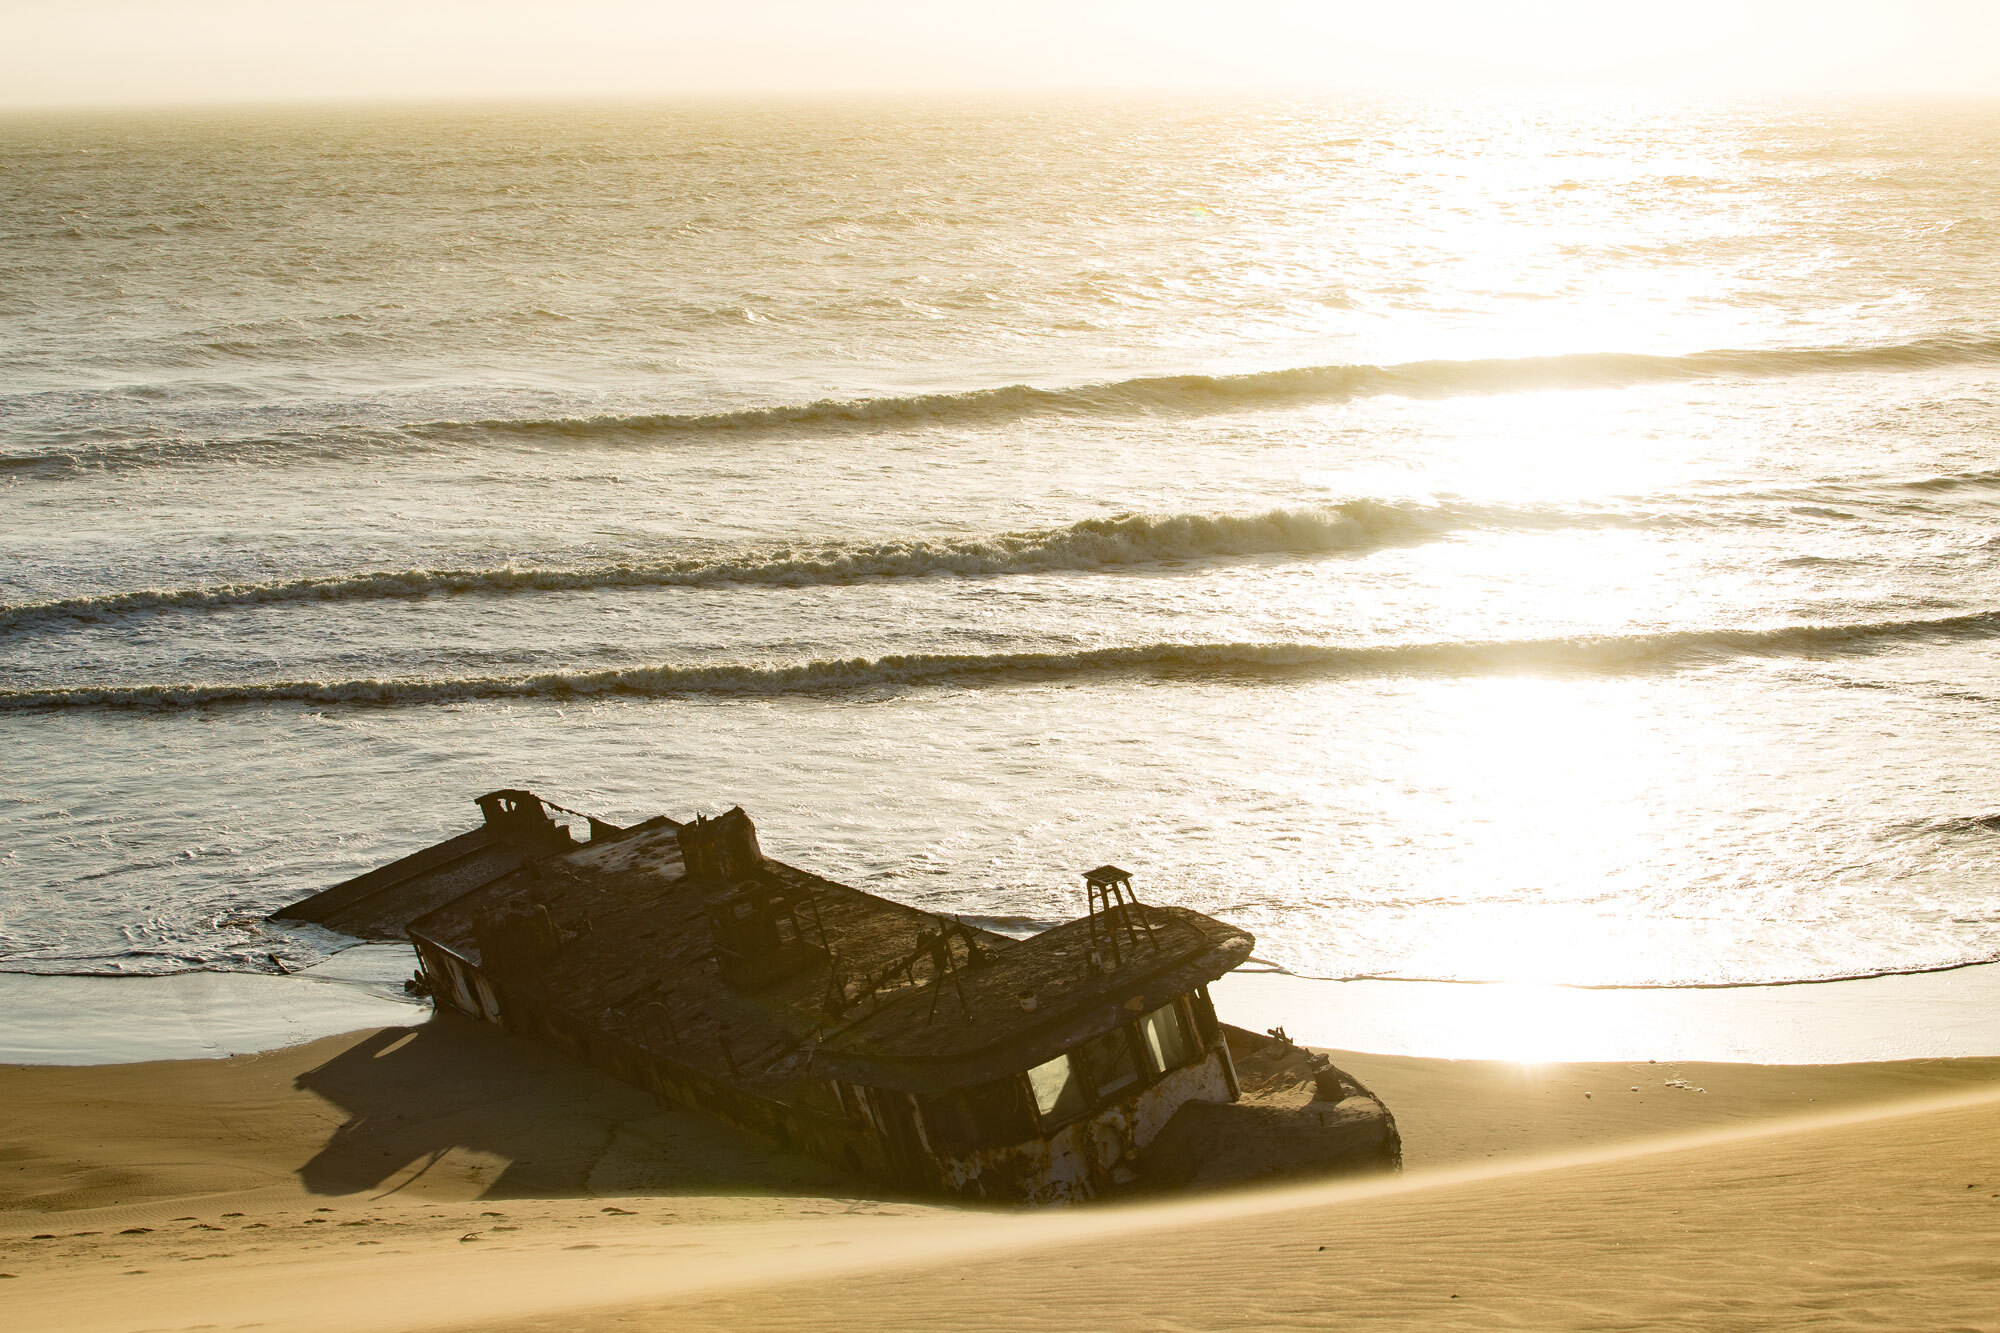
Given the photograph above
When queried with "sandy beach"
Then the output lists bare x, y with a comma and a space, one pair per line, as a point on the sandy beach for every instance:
445, 1176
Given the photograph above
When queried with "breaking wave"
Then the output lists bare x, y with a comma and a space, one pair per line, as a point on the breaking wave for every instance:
1091, 544
1097, 543
1601, 653
1191, 394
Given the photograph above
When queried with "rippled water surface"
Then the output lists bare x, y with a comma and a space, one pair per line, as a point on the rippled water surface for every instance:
1475, 541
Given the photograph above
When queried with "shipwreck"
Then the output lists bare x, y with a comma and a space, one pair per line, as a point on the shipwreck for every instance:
922, 1050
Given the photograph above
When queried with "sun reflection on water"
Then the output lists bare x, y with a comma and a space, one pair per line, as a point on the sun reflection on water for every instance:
1556, 788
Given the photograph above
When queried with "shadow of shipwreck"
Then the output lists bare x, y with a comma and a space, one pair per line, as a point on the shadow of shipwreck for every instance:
453, 1088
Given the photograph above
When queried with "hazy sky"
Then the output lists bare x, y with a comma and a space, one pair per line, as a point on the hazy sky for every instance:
93, 51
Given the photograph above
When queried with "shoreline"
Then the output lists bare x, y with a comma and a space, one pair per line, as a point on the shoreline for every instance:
66, 1019
69, 1020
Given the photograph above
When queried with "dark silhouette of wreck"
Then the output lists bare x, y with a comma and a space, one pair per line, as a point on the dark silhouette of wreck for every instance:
915, 1048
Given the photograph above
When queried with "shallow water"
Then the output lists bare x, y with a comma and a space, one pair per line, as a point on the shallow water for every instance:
1518, 542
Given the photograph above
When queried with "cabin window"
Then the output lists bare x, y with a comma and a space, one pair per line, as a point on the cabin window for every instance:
1165, 1037
1059, 1092
1109, 1060
984, 1116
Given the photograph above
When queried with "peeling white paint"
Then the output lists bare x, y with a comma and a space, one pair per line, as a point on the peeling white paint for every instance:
1077, 1162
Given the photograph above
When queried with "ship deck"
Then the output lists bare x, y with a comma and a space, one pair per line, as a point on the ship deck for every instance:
637, 961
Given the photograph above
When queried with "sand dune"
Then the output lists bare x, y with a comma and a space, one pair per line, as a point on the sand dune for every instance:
445, 1177
1882, 1220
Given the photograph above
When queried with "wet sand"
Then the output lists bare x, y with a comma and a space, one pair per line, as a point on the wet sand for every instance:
447, 1176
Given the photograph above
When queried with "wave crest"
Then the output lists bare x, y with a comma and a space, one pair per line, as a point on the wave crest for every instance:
1193, 394
1097, 543
1170, 395
838, 675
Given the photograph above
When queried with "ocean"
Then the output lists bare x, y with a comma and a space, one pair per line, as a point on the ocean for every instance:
1486, 541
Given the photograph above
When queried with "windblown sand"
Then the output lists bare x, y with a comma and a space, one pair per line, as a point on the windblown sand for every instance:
448, 1177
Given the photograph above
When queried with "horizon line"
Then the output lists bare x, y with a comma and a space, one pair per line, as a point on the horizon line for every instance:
1022, 95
